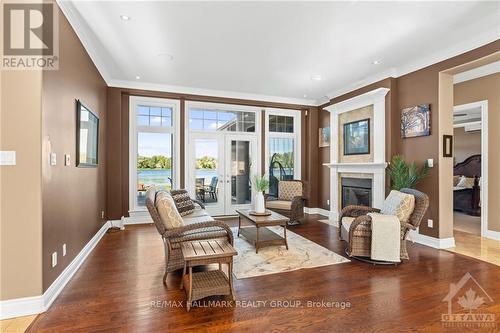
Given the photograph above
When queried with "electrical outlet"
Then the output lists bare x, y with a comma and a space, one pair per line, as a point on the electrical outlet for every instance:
328, 202
54, 259
430, 223
53, 159
64, 249
102, 214
67, 159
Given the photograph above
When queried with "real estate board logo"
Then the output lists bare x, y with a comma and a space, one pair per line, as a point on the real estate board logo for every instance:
30, 36
465, 300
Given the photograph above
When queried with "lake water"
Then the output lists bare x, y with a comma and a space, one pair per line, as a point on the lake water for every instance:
161, 177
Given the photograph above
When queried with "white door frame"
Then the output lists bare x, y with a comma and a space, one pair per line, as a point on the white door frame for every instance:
188, 147
485, 232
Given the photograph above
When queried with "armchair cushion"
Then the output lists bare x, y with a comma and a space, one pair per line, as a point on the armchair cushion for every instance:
182, 201
167, 211
279, 204
399, 204
288, 189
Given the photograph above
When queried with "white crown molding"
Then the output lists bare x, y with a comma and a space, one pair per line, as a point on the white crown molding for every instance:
208, 92
74, 19
95, 50
477, 72
37, 304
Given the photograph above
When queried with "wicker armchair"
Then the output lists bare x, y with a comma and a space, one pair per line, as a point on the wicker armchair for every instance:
355, 225
292, 195
172, 238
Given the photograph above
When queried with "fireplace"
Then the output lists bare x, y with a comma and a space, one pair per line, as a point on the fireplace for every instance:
356, 191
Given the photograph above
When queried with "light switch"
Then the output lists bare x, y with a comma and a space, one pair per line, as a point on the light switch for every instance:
53, 158
67, 160
7, 157
430, 162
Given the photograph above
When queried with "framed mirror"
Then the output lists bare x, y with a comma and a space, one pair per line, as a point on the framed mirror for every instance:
87, 136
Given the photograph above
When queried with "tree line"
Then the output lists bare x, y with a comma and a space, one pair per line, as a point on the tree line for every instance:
163, 162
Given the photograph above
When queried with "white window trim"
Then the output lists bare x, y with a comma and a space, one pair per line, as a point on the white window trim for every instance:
134, 102
221, 107
296, 135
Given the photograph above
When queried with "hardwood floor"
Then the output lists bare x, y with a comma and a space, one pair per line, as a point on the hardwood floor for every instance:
477, 247
122, 278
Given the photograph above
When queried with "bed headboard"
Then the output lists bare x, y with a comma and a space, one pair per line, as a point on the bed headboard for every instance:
469, 168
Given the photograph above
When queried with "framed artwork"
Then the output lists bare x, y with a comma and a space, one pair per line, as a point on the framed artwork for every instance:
87, 136
357, 137
447, 145
415, 121
324, 137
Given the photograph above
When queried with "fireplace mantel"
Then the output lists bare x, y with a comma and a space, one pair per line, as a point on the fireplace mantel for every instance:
377, 166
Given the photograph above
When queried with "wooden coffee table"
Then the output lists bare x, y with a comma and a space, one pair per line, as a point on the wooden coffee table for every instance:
199, 285
259, 234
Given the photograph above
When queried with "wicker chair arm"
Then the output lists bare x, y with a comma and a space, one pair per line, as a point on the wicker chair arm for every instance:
199, 203
355, 211
297, 201
408, 225
195, 227
268, 197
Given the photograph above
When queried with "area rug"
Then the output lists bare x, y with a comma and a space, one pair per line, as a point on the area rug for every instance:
302, 253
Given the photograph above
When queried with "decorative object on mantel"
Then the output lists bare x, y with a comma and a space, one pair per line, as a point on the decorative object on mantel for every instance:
357, 137
324, 137
406, 175
261, 184
447, 145
415, 121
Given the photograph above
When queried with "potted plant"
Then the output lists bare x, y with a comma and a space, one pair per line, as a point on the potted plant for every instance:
406, 175
261, 184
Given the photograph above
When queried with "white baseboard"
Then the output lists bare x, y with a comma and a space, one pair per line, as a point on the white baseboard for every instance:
37, 304
319, 211
491, 234
437, 243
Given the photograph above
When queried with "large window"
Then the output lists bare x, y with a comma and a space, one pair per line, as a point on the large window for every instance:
201, 119
282, 146
153, 138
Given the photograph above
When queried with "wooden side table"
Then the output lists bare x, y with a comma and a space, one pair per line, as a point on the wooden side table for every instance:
199, 285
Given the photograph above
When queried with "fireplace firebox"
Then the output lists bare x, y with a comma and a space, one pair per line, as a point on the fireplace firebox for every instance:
356, 191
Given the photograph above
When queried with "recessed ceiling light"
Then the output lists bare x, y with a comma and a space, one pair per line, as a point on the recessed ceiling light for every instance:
137, 77
305, 95
376, 62
125, 17
316, 77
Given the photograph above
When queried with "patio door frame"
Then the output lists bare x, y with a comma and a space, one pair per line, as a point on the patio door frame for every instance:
224, 139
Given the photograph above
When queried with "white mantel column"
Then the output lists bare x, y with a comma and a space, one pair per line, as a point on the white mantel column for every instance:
377, 167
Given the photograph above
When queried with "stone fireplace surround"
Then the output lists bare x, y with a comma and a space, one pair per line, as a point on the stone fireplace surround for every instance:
375, 168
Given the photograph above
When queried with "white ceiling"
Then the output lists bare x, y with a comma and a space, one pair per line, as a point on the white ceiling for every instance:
270, 50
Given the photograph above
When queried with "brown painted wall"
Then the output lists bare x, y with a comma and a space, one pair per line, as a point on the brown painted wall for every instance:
418, 87
488, 88
72, 198
118, 141
465, 144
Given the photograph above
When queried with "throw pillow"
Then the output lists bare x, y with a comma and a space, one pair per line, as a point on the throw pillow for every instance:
183, 202
287, 190
399, 204
167, 211
456, 179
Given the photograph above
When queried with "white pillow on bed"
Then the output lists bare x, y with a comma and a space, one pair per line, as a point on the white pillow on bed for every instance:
465, 182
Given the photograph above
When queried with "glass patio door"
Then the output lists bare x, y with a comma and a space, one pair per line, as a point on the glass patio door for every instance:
220, 171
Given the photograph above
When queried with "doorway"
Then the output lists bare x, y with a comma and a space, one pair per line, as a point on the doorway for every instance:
470, 132
220, 170
221, 155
